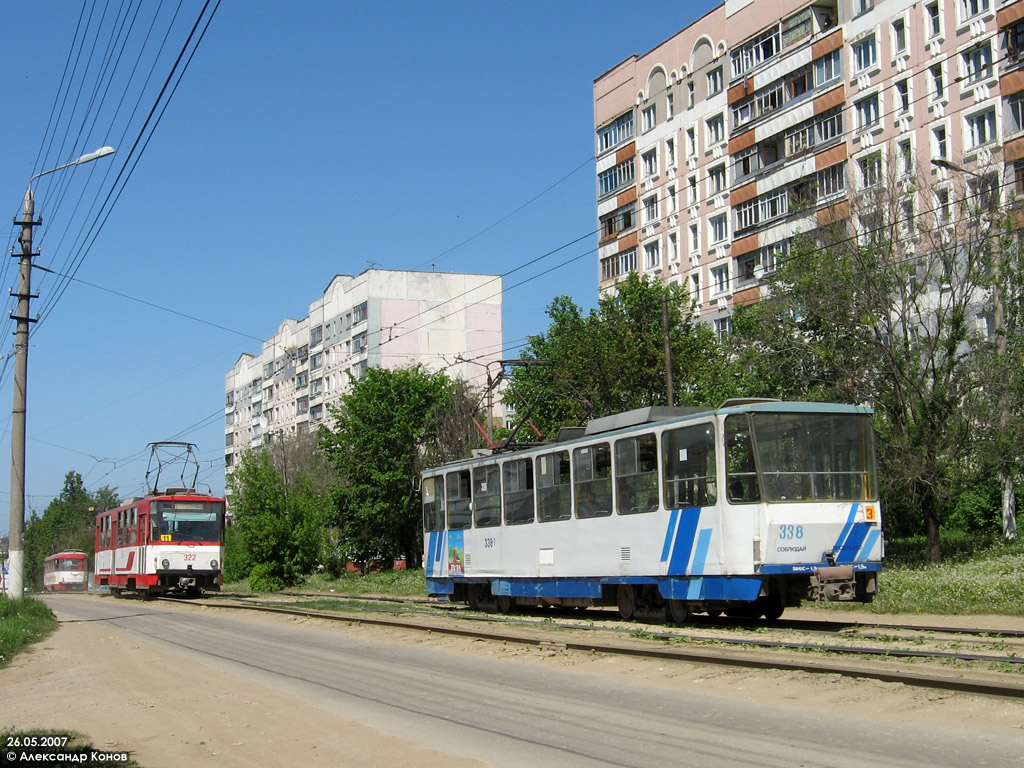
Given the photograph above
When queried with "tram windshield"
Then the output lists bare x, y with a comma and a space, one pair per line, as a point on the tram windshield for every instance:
187, 520
70, 565
815, 456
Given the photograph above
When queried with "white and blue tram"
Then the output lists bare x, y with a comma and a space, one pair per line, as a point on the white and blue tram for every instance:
746, 508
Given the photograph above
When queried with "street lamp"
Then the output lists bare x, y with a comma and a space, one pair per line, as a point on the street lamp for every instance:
16, 547
999, 327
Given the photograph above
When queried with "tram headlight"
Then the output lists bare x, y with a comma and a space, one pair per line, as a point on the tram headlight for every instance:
214, 563
165, 563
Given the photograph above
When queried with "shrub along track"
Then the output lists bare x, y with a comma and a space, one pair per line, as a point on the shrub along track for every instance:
987, 662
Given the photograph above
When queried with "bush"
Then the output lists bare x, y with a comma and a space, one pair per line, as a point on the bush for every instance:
266, 577
22, 622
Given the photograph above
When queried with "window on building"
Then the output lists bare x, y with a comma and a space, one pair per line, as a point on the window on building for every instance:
719, 228
971, 8
715, 81
828, 68
615, 177
867, 112
650, 161
830, 180
905, 153
316, 361
692, 194
690, 95
940, 147
865, 54
650, 117
670, 153
1013, 113
871, 170
720, 278
755, 51
316, 335
695, 287
716, 130
358, 343
942, 210
359, 314
903, 95
933, 19
1014, 40
616, 133
652, 255
691, 142
650, 209
301, 379
937, 80
863, 6
977, 62
673, 248
694, 238
716, 179
981, 128
670, 106
899, 36
723, 327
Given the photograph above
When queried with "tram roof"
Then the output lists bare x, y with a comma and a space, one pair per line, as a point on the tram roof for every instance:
666, 415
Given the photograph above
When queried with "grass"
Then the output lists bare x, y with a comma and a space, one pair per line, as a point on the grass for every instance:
22, 622
985, 579
409, 583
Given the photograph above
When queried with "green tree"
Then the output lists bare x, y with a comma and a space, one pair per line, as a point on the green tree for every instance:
282, 515
613, 359
68, 522
881, 308
382, 434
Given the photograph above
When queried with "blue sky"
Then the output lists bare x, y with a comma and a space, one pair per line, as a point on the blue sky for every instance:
305, 139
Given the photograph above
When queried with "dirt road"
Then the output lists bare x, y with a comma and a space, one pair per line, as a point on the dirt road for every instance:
127, 692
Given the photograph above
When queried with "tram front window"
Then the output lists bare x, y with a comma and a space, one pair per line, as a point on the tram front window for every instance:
187, 521
816, 456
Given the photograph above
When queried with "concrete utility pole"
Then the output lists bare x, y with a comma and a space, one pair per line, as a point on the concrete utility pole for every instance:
16, 543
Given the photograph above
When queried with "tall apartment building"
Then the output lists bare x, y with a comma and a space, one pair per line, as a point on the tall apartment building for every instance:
380, 318
757, 120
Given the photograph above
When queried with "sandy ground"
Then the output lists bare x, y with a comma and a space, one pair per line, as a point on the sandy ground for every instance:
232, 720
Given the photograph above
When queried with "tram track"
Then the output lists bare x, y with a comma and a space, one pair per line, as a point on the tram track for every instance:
656, 642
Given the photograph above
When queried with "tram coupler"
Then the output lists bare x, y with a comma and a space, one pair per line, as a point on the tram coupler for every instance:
834, 583
186, 582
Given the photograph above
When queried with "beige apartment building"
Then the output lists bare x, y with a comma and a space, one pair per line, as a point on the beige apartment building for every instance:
757, 121
380, 318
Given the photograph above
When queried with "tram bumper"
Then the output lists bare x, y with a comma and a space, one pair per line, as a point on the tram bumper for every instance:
834, 583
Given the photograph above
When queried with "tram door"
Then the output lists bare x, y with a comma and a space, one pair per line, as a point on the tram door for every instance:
745, 519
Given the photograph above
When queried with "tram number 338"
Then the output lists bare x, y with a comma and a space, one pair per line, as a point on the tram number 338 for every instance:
790, 532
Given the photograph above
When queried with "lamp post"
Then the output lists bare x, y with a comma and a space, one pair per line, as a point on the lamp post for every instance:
15, 577
999, 322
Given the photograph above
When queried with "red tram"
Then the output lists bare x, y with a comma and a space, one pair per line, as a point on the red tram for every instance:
170, 542
66, 571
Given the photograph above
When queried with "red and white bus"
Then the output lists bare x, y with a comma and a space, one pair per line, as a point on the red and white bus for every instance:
171, 542
66, 571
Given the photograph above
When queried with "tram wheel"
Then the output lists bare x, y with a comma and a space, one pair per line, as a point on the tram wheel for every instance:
506, 604
677, 611
625, 598
772, 607
473, 596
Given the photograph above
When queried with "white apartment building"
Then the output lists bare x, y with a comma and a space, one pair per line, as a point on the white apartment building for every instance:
380, 318
758, 119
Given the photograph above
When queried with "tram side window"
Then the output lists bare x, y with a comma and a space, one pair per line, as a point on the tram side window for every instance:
517, 489
593, 483
432, 491
487, 496
554, 489
636, 474
460, 514
740, 469
689, 460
